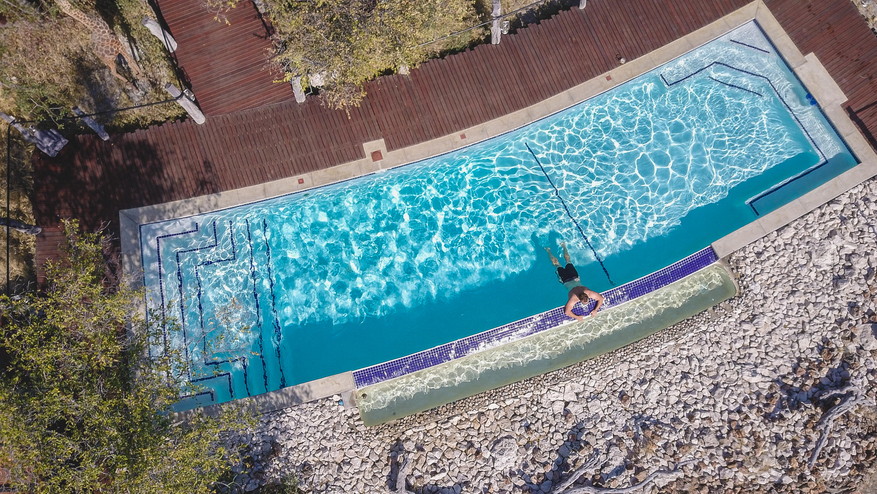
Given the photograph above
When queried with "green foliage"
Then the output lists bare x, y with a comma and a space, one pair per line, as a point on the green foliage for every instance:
286, 485
19, 11
81, 408
21, 246
39, 62
351, 42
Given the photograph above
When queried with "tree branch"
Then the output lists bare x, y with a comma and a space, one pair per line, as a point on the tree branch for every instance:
854, 396
400, 478
588, 465
659, 474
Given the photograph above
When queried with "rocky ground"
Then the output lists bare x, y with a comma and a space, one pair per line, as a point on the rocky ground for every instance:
742, 390
868, 8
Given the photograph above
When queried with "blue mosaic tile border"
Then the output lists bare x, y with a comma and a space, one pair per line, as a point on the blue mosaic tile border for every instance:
531, 325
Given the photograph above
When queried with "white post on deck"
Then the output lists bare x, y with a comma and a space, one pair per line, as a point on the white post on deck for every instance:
187, 104
49, 141
496, 27
297, 89
98, 128
166, 39
582, 4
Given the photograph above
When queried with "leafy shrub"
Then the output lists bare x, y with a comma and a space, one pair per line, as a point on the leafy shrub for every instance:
351, 42
286, 485
81, 408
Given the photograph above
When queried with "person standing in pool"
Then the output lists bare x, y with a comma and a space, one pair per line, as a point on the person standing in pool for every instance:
570, 279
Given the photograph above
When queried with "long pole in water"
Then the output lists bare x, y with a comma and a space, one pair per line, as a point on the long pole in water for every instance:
582, 232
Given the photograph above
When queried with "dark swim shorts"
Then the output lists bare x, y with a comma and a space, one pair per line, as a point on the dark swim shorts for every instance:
567, 273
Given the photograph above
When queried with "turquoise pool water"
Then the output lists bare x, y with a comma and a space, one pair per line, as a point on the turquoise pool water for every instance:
308, 285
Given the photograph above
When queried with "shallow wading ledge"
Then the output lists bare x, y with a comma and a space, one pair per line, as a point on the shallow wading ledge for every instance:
547, 351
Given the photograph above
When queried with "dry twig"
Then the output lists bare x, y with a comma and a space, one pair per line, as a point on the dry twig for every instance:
400, 486
853, 396
565, 487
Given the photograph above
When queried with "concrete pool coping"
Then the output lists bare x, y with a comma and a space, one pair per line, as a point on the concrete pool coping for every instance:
808, 68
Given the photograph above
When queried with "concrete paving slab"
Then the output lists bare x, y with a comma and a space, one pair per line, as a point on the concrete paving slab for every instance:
783, 216
814, 76
858, 175
822, 194
670, 51
738, 238
493, 128
841, 120
632, 69
335, 174
129, 238
590, 88
371, 146
477, 134
284, 186
553, 104
516, 119
860, 147
742, 15
708, 33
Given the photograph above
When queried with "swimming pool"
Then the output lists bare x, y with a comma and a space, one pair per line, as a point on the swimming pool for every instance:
307, 285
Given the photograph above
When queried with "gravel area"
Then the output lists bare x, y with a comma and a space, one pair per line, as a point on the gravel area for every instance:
868, 8
741, 390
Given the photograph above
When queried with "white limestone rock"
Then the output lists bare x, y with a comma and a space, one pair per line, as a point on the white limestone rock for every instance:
825, 256
867, 336
505, 453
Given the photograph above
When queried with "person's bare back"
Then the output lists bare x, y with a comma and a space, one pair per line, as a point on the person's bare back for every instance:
581, 294
570, 279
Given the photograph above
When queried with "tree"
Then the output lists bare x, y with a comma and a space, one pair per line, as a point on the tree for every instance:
81, 407
347, 42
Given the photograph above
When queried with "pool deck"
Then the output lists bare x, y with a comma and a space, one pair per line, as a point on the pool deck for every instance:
224, 63
444, 104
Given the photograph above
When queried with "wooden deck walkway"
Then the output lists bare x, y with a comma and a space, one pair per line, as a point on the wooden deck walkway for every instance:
93, 180
225, 64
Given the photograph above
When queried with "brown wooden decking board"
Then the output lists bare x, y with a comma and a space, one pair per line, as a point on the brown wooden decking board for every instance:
482, 80
580, 57
509, 57
426, 80
225, 64
431, 88
240, 145
474, 113
425, 108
